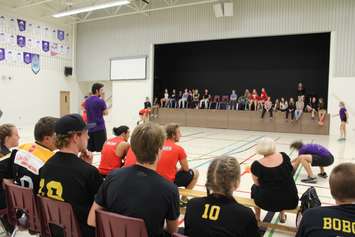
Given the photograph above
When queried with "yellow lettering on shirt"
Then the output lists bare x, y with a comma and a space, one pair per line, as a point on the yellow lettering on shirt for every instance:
211, 213
340, 225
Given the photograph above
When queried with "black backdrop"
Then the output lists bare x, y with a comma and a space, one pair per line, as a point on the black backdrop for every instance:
277, 63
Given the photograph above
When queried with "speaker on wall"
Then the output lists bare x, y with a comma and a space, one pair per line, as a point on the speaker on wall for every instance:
218, 10
68, 71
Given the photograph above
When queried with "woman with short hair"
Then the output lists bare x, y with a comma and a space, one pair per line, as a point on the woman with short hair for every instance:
219, 214
274, 188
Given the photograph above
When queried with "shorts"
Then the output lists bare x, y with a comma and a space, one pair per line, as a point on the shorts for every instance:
322, 160
184, 178
344, 120
97, 140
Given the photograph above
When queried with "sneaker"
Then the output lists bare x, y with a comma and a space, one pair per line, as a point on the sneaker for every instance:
311, 180
323, 175
183, 203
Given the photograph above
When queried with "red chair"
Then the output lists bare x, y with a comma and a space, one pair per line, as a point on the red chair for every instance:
178, 235
60, 214
111, 224
22, 208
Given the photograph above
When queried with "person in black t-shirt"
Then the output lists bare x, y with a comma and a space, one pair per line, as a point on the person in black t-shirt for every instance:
138, 191
336, 220
67, 177
219, 214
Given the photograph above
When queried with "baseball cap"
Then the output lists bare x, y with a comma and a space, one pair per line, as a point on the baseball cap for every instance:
69, 124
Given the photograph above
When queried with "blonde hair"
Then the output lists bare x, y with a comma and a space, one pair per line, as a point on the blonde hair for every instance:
223, 172
266, 146
341, 103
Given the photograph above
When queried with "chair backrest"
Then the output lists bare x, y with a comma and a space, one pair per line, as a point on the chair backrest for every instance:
60, 214
21, 200
111, 224
178, 235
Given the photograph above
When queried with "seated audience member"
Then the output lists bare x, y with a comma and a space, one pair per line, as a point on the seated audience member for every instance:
131, 158
262, 98
183, 100
233, 101
312, 155
67, 177
190, 99
276, 106
274, 188
165, 100
291, 109
147, 104
267, 107
253, 100
196, 99
82, 108
321, 111
219, 214
283, 105
300, 90
338, 220
114, 150
173, 101
243, 101
9, 138
171, 154
312, 106
205, 100
138, 191
144, 114
299, 108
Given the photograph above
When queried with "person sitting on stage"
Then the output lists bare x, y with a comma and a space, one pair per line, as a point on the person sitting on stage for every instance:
301, 91
114, 150
262, 98
243, 101
338, 220
321, 111
190, 99
173, 101
196, 99
139, 191
291, 109
267, 107
183, 100
172, 153
312, 106
276, 106
299, 107
144, 113
283, 104
165, 100
312, 155
253, 100
274, 188
219, 214
205, 100
233, 101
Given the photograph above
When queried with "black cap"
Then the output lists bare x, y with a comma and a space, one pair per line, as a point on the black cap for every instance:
70, 123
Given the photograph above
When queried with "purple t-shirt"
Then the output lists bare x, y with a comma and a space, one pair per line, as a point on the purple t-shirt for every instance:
314, 149
95, 107
342, 114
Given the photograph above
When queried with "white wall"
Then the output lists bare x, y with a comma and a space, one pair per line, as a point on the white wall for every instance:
27, 97
134, 35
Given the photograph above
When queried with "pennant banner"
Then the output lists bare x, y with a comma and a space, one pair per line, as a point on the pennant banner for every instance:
45, 46
35, 64
27, 57
21, 41
21, 25
2, 54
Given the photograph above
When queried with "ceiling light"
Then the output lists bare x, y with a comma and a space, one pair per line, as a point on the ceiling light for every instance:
91, 8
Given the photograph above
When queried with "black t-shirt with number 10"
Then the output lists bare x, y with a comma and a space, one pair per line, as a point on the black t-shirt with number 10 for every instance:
333, 221
219, 216
65, 177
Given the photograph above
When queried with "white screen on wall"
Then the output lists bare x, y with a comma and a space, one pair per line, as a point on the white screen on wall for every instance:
128, 68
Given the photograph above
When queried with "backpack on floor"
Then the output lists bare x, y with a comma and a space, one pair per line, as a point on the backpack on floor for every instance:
308, 200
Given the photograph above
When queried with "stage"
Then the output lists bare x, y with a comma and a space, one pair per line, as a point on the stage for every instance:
242, 120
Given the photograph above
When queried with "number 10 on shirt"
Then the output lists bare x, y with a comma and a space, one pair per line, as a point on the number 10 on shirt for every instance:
211, 212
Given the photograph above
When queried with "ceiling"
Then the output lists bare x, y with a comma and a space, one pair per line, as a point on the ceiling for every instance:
43, 9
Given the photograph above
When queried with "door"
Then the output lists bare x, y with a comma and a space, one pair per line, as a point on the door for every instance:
64, 103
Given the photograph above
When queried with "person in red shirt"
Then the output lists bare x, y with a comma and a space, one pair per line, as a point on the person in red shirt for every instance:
131, 158
114, 150
253, 100
171, 155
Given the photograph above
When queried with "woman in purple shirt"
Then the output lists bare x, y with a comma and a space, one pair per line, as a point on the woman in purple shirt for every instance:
312, 155
344, 117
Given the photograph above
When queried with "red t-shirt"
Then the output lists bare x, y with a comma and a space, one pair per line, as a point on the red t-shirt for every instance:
171, 154
109, 159
130, 158
263, 96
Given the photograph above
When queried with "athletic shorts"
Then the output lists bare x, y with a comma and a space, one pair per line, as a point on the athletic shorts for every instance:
184, 178
343, 120
97, 140
322, 160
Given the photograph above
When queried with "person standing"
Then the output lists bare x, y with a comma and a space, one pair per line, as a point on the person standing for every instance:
96, 109
267, 107
299, 107
344, 118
